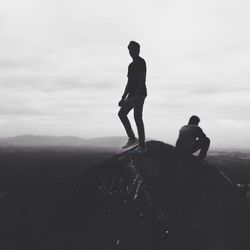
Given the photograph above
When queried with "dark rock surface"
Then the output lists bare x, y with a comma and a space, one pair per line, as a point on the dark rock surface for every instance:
157, 200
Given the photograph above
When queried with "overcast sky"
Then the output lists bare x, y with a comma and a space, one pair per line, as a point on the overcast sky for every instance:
63, 66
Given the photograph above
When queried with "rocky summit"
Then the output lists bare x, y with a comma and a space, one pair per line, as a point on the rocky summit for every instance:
158, 199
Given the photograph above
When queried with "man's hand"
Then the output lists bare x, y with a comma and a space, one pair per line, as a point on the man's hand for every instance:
131, 100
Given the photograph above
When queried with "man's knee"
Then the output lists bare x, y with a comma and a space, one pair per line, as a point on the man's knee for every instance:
121, 114
207, 141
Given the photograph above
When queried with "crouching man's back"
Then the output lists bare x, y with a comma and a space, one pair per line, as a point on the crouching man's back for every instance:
192, 138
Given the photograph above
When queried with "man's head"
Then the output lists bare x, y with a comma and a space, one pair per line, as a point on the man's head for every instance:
134, 49
194, 120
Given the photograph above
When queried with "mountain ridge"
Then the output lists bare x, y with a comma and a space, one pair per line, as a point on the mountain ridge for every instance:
48, 140
161, 199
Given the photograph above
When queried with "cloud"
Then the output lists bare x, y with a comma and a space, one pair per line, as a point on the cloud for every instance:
63, 65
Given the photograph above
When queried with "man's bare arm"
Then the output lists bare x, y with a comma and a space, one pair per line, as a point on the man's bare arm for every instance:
126, 91
201, 135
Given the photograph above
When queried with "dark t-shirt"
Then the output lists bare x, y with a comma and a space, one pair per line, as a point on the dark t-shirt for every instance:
137, 69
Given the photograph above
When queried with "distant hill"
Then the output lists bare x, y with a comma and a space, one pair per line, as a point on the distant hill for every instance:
114, 141
38, 140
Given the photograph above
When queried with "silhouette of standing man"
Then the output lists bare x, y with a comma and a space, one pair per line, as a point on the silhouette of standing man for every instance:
134, 96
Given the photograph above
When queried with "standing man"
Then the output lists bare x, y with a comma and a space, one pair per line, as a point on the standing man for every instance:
192, 138
134, 96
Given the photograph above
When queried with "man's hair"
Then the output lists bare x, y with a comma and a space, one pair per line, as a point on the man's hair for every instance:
194, 120
134, 45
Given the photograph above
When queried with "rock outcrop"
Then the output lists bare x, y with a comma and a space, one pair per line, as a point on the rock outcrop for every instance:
160, 199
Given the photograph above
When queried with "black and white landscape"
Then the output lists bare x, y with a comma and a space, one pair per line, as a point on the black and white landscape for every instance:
65, 182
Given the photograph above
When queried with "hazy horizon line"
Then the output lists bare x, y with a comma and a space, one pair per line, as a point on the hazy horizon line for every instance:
213, 148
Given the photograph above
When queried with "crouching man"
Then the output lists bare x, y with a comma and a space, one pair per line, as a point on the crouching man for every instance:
192, 138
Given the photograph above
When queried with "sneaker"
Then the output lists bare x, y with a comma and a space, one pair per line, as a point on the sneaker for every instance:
130, 143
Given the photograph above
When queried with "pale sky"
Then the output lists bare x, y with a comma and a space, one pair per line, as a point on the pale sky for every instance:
63, 66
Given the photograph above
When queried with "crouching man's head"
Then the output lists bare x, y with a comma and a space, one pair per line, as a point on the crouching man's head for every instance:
194, 120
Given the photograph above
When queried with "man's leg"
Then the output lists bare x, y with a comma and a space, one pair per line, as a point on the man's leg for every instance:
202, 145
138, 109
204, 148
124, 110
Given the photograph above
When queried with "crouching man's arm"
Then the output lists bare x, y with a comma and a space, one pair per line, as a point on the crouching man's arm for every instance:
202, 137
